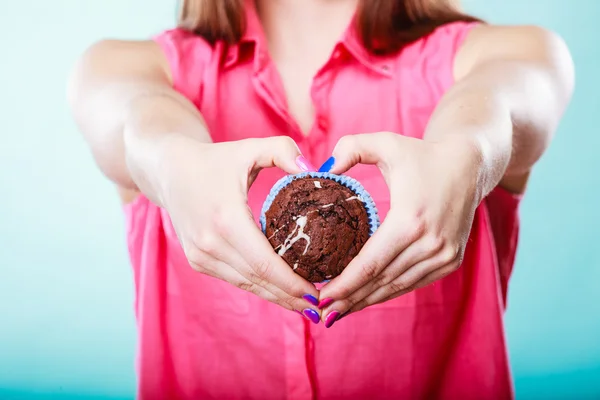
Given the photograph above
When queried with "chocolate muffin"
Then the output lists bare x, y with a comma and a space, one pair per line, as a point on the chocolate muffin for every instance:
317, 225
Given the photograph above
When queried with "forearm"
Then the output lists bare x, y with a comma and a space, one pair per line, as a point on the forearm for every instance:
477, 118
508, 111
124, 104
513, 85
155, 125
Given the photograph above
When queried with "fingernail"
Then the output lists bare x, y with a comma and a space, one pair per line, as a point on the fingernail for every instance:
331, 318
326, 167
324, 303
304, 164
311, 299
312, 315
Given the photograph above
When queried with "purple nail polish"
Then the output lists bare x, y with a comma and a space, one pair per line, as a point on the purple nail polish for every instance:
311, 299
327, 165
331, 318
312, 315
324, 303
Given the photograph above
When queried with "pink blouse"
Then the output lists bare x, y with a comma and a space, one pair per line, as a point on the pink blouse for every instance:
202, 338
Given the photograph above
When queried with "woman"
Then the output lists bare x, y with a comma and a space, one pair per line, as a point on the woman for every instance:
454, 114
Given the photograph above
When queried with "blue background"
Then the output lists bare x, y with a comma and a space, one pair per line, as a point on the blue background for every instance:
66, 306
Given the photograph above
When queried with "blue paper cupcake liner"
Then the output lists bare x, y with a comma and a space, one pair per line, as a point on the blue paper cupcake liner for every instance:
350, 183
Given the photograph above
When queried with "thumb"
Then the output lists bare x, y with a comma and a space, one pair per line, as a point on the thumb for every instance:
281, 152
361, 149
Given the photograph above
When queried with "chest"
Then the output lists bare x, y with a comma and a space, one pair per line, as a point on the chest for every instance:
343, 98
317, 106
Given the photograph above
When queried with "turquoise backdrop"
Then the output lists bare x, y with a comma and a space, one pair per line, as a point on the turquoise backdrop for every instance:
66, 311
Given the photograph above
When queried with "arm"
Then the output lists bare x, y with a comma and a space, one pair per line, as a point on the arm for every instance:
146, 136
512, 87
120, 94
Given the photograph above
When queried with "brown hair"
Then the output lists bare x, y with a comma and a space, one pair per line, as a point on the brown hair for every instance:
384, 26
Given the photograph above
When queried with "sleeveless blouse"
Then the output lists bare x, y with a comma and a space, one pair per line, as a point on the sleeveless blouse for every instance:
201, 338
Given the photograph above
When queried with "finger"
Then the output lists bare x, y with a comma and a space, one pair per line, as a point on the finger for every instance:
379, 251
268, 269
281, 152
420, 275
228, 255
211, 266
427, 280
361, 149
421, 250
435, 276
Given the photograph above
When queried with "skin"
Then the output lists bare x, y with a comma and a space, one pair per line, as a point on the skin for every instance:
512, 86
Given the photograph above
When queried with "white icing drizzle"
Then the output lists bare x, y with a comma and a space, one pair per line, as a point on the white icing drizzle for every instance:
295, 266
318, 184
299, 232
300, 224
299, 229
354, 198
275, 233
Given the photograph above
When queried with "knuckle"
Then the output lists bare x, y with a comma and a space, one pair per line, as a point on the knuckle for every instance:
262, 270
416, 227
247, 286
345, 140
293, 291
206, 243
449, 255
370, 270
347, 303
197, 259
221, 221
195, 255
434, 243
338, 293
285, 142
294, 302
345, 143
383, 279
198, 267
399, 285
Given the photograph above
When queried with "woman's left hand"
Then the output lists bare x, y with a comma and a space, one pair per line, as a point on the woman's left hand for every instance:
434, 192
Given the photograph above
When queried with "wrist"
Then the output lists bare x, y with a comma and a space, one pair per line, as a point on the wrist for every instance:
153, 160
471, 157
157, 132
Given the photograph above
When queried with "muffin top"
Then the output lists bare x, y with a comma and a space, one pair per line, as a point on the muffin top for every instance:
317, 226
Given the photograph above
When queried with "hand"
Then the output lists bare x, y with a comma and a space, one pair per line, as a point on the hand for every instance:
204, 188
434, 190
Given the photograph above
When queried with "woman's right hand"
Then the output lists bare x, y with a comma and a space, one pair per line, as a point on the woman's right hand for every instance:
124, 102
204, 188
